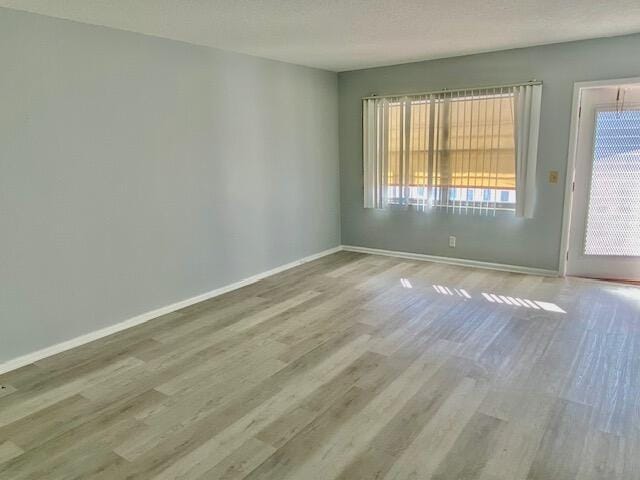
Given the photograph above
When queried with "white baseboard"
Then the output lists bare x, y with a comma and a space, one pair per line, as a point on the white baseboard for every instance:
454, 261
145, 317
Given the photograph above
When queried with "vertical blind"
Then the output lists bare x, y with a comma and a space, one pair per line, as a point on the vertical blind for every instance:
470, 151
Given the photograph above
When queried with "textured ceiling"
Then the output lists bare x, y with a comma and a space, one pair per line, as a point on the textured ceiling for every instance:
351, 34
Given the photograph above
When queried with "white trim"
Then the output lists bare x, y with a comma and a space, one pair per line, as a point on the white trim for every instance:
454, 261
569, 179
145, 317
571, 160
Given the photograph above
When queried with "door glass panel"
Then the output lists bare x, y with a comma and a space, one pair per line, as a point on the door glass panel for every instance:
613, 218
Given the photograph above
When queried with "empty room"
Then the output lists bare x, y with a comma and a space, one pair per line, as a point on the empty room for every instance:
296, 240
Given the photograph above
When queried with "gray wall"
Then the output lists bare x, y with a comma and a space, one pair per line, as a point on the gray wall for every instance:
136, 172
504, 239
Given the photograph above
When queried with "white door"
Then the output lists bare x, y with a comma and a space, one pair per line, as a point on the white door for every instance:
604, 240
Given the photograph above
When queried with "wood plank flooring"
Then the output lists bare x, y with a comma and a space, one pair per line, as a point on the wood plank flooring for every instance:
350, 367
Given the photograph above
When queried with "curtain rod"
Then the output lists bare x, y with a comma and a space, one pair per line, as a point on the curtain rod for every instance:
454, 90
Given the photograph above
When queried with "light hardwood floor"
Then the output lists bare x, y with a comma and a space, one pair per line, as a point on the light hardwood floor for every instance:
353, 367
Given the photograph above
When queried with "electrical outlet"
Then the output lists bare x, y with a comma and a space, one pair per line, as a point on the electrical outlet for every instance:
452, 241
553, 176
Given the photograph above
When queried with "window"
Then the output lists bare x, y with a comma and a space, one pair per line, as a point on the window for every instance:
448, 150
613, 215
472, 147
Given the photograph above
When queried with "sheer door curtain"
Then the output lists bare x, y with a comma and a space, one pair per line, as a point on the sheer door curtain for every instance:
472, 151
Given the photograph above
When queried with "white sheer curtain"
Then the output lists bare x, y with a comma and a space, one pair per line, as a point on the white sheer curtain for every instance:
466, 151
371, 161
375, 163
527, 125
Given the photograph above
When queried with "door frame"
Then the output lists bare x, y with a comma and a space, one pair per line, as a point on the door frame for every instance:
578, 88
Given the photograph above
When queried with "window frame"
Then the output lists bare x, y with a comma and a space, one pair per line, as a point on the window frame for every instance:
494, 207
